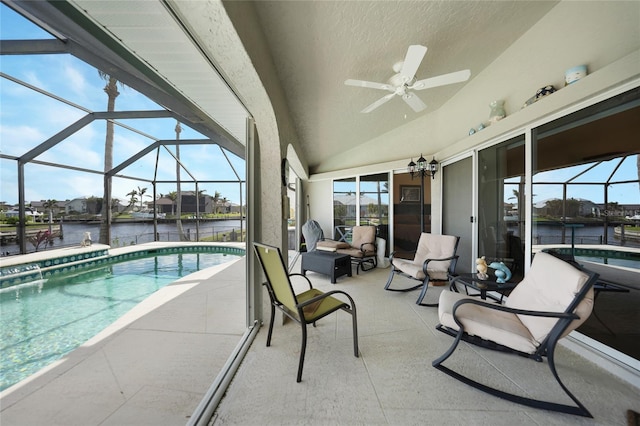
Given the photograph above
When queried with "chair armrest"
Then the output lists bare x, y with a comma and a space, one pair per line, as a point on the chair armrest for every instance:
365, 244
324, 295
296, 274
392, 255
497, 307
426, 262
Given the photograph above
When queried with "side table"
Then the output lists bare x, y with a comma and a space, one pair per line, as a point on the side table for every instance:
327, 263
482, 285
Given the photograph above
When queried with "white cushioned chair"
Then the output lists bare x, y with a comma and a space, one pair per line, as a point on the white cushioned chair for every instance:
362, 249
554, 298
435, 258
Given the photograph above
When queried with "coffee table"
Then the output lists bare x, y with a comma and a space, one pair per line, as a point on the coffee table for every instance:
482, 285
328, 263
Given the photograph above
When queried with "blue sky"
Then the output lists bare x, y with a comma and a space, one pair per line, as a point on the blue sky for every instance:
612, 171
28, 118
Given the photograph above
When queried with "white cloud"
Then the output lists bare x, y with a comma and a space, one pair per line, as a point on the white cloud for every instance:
74, 80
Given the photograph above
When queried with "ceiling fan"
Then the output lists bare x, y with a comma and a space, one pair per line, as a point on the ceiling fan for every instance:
404, 81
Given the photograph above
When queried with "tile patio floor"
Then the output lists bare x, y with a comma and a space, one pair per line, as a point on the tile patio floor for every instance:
155, 368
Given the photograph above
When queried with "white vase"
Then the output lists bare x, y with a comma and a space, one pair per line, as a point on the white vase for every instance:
497, 111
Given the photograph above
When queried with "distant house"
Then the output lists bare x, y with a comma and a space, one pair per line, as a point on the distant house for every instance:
227, 207
163, 205
349, 203
42, 207
206, 204
29, 212
76, 206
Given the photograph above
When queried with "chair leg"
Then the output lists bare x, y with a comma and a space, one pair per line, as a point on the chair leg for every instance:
393, 272
354, 320
436, 363
388, 284
303, 349
423, 293
273, 317
372, 260
581, 409
578, 410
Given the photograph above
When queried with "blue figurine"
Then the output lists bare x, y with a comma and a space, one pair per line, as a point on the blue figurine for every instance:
503, 274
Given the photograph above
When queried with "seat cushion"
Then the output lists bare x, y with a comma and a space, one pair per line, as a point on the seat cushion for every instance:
319, 308
550, 285
353, 252
501, 327
409, 267
414, 270
332, 244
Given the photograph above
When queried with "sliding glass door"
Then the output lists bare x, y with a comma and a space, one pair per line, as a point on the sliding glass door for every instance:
501, 215
361, 200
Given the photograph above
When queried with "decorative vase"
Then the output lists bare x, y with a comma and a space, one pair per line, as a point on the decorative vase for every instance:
574, 74
497, 111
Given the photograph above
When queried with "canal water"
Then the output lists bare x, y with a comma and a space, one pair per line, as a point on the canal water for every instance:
125, 234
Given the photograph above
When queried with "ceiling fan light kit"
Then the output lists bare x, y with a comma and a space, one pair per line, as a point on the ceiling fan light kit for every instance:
404, 82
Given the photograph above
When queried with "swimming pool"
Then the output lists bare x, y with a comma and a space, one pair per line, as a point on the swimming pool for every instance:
44, 320
627, 259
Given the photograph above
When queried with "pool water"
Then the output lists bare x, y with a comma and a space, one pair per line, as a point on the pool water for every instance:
42, 322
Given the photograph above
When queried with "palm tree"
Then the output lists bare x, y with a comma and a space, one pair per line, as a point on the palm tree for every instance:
111, 89
132, 198
173, 196
49, 205
181, 235
141, 192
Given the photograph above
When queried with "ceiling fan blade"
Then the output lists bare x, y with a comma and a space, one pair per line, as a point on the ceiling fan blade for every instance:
377, 103
414, 101
412, 61
441, 80
369, 84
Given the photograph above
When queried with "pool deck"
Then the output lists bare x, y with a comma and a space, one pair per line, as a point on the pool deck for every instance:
155, 365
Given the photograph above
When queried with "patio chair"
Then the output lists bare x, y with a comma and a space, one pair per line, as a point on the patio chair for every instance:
434, 260
553, 299
362, 249
304, 308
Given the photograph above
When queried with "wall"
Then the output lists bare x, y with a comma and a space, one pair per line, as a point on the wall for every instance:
229, 33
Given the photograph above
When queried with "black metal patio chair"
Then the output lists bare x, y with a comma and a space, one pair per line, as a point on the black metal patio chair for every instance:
554, 298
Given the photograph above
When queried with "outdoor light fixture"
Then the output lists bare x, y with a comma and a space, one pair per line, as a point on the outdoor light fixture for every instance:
422, 168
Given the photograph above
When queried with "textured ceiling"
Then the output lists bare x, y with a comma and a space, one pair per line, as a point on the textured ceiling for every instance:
317, 45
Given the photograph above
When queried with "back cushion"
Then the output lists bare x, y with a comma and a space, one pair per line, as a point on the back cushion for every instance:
433, 246
550, 285
363, 234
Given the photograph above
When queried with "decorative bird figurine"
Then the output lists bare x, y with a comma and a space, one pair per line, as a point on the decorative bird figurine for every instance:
503, 274
481, 267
